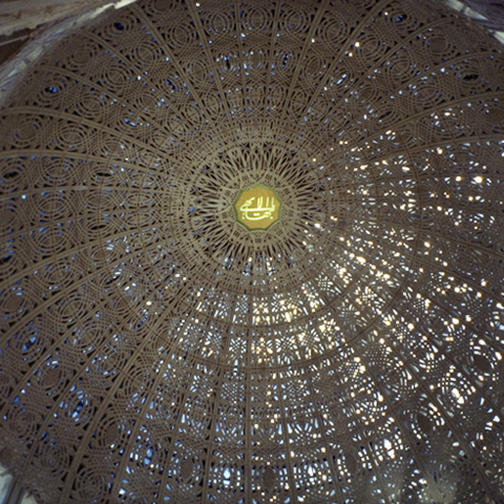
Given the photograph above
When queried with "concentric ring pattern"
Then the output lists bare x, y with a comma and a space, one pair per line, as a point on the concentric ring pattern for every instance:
154, 350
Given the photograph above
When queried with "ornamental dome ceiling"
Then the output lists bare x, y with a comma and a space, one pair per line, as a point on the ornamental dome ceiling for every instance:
252, 252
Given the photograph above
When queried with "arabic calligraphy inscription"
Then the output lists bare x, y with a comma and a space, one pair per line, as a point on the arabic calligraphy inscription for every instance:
257, 207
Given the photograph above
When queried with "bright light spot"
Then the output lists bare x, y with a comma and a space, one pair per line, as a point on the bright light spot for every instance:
357, 44
427, 244
478, 179
457, 395
455, 321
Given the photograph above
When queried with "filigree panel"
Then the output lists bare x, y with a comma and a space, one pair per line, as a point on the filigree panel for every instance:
153, 349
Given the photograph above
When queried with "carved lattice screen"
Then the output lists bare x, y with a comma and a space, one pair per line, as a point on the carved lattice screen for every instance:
154, 350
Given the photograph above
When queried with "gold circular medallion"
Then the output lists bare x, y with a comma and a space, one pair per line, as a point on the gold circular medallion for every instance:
257, 207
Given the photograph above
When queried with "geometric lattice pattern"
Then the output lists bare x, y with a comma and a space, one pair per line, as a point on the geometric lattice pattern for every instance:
154, 350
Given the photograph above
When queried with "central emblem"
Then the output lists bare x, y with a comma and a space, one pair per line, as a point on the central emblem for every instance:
257, 207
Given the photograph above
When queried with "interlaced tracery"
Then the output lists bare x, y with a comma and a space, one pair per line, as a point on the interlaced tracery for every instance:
155, 350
